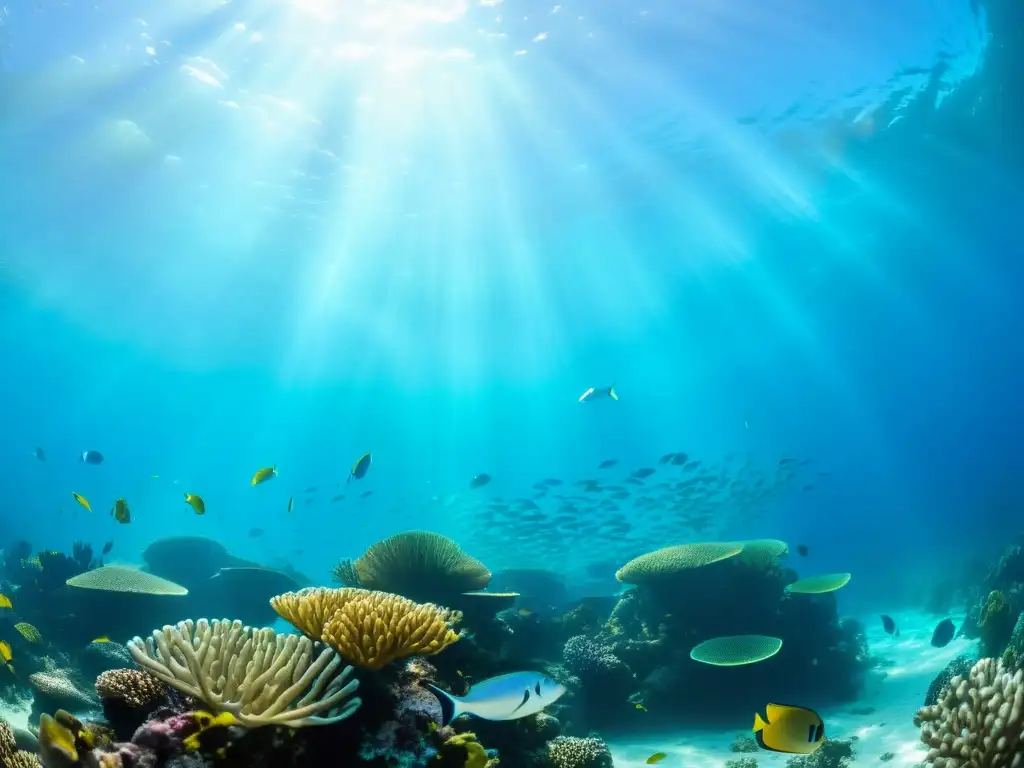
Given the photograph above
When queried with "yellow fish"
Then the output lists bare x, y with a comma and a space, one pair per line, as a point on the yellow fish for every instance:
120, 511
82, 500
5, 601
196, 503
155, 477
642, 708
5, 652
29, 632
793, 730
267, 473
656, 758
291, 504
100, 639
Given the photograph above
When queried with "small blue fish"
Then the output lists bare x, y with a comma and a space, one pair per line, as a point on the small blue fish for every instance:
596, 393
91, 457
505, 697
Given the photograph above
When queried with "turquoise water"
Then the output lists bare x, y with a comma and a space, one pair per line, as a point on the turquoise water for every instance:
237, 235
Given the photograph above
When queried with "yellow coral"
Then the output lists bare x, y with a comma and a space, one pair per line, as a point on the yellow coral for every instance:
369, 628
29, 632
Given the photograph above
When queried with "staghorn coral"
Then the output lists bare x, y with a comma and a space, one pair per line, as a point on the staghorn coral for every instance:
416, 564
671, 561
134, 687
260, 677
978, 721
369, 628
574, 752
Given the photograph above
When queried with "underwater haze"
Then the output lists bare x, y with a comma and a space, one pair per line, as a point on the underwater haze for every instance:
240, 235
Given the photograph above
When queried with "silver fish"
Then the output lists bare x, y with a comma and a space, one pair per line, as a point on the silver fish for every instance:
505, 697
595, 393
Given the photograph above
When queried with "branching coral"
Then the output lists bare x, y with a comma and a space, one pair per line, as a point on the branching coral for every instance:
369, 628
417, 564
978, 721
260, 677
574, 752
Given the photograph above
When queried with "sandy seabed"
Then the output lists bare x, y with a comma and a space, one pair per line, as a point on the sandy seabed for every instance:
891, 696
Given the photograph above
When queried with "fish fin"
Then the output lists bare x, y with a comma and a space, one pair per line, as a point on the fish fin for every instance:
450, 706
759, 724
612, 393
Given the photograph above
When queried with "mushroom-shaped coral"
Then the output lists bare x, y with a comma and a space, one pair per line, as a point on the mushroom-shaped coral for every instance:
671, 561
416, 564
574, 752
978, 720
736, 650
58, 689
10, 756
260, 677
819, 585
369, 628
118, 578
137, 689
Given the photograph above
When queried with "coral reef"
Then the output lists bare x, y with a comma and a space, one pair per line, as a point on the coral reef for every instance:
978, 719
419, 565
575, 752
369, 628
833, 753
260, 677
958, 667
10, 755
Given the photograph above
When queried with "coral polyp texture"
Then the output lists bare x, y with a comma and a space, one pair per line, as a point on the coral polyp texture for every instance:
417, 564
369, 628
134, 687
671, 561
10, 756
118, 578
574, 752
978, 721
260, 677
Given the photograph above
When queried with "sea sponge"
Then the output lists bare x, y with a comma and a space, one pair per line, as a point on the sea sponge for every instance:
671, 561
137, 689
118, 578
260, 677
736, 650
978, 721
416, 564
370, 628
574, 752
819, 585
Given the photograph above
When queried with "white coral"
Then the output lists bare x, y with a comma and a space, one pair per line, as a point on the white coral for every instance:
259, 676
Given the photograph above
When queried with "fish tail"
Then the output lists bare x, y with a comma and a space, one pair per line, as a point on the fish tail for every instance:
612, 393
450, 706
759, 724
